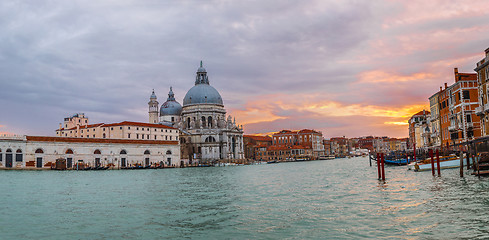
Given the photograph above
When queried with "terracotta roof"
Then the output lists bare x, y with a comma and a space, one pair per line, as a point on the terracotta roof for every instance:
125, 123
97, 140
259, 138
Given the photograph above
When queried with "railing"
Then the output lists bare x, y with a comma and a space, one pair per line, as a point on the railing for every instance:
11, 136
479, 110
452, 128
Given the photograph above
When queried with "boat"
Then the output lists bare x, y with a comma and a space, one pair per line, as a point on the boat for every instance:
398, 162
445, 163
327, 157
274, 161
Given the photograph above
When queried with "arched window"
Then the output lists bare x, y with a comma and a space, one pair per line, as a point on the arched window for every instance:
209, 121
210, 139
123, 152
39, 150
168, 152
18, 156
9, 150
203, 121
188, 122
103, 135
69, 151
97, 152
147, 152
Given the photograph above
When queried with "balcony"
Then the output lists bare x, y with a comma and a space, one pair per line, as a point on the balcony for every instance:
470, 125
452, 128
479, 110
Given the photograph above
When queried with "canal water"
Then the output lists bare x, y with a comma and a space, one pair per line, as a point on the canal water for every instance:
337, 199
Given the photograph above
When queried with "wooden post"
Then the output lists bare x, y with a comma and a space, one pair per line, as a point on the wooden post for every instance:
438, 162
370, 158
468, 159
432, 163
407, 158
378, 165
414, 151
383, 172
461, 164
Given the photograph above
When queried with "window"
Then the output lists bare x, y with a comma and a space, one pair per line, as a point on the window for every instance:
170, 138
128, 128
40, 151
69, 151
147, 137
469, 118
111, 128
147, 152
120, 128
18, 156
128, 135
103, 129
97, 152
466, 94
137, 136
137, 128
166, 137
155, 137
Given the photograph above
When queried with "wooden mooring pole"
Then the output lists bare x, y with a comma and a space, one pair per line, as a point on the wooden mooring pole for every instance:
378, 165
438, 162
432, 163
461, 164
383, 172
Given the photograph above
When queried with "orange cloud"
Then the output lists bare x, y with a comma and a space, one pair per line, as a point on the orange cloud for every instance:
269, 108
378, 76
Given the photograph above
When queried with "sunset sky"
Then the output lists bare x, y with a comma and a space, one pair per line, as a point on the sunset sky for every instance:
346, 68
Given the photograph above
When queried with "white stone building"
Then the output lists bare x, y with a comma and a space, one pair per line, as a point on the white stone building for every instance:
42, 152
207, 134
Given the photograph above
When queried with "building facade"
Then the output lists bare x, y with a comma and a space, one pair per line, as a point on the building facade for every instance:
207, 134
482, 111
38, 152
419, 136
463, 101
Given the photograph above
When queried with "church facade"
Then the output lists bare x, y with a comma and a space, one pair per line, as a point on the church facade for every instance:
207, 134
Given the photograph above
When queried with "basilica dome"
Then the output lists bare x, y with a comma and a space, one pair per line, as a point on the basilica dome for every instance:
171, 106
202, 92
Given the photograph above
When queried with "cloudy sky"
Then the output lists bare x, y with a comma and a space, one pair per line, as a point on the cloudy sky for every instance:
346, 68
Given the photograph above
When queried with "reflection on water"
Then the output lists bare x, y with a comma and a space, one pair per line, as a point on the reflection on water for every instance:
323, 199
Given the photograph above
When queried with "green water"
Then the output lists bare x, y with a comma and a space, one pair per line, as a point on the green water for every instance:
339, 199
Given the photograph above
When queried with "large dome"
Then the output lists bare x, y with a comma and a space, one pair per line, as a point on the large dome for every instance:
171, 106
202, 94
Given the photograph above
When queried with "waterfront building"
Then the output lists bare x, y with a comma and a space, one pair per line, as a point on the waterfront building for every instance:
310, 139
38, 152
256, 146
207, 135
340, 146
482, 111
327, 147
444, 115
463, 101
290, 152
417, 130
434, 120
77, 127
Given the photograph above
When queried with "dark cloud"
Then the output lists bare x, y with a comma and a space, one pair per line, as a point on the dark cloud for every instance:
104, 57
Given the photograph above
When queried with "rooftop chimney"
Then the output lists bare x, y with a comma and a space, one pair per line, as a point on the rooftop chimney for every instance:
441, 88
446, 85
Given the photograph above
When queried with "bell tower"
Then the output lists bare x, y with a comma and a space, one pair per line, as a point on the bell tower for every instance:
153, 108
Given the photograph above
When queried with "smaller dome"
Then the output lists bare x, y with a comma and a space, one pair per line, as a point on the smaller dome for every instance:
171, 106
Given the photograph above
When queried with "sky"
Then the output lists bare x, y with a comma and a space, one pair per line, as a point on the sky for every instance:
346, 68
